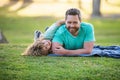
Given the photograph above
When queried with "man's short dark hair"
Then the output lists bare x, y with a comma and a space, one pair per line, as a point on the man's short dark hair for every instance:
73, 11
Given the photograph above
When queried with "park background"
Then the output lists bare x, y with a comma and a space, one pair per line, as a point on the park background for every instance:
20, 18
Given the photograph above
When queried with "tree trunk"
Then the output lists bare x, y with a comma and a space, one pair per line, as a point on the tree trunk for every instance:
2, 38
96, 8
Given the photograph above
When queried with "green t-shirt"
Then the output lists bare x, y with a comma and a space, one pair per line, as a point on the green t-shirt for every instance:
70, 42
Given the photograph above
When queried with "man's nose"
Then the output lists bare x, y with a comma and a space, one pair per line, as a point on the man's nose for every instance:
72, 25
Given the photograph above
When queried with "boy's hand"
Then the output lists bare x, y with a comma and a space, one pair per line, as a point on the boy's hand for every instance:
60, 22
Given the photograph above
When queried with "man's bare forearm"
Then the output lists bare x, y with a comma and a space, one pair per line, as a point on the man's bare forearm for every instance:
58, 49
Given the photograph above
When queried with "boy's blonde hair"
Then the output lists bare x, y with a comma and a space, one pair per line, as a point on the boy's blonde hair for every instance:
36, 49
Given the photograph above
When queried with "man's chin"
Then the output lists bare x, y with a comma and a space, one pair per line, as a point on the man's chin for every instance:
72, 31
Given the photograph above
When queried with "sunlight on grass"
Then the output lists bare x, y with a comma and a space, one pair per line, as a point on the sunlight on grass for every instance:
58, 8
113, 6
3, 2
45, 9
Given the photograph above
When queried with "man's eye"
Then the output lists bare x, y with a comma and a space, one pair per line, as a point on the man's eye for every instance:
69, 22
75, 22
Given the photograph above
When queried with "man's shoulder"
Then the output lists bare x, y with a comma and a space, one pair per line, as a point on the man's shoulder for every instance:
85, 25
61, 29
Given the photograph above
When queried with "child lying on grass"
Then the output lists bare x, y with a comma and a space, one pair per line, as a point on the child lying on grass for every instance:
42, 43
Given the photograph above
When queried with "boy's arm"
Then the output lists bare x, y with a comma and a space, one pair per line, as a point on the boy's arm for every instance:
60, 22
49, 33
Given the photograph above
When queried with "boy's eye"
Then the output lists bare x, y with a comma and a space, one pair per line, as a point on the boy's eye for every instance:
45, 47
43, 43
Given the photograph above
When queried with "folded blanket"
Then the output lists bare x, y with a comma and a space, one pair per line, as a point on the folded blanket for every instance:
102, 51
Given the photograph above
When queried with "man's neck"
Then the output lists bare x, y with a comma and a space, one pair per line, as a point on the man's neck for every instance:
75, 34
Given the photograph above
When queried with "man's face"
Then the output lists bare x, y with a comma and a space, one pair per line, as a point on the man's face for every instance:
72, 23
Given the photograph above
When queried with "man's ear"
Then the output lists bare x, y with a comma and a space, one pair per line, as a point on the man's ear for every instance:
65, 22
80, 20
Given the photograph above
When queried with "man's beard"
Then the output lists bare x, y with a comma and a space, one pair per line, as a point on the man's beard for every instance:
73, 31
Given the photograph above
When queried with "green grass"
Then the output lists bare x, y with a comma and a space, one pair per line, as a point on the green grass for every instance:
16, 67
19, 32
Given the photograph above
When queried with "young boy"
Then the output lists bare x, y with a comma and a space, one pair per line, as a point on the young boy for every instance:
42, 42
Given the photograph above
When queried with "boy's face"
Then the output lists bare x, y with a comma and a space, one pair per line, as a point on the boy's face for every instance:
47, 44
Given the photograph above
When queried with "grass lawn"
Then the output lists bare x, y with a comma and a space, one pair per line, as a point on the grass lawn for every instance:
19, 33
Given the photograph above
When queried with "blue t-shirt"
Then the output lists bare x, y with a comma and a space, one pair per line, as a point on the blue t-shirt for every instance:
70, 42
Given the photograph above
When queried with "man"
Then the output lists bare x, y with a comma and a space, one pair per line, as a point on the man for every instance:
75, 37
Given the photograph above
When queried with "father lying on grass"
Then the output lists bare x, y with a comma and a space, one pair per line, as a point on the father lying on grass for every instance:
75, 37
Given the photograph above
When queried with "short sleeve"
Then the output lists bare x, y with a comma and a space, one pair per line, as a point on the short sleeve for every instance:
58, 37
89, 35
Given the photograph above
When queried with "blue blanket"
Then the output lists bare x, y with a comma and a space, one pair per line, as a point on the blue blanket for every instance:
102, 51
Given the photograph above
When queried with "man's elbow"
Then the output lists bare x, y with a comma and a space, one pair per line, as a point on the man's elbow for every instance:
88, 47
88, 51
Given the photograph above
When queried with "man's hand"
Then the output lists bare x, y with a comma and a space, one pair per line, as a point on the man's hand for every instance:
59, 50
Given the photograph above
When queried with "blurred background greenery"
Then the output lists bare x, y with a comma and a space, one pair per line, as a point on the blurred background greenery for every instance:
19, 18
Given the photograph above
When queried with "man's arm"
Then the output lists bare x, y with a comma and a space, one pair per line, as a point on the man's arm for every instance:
58, 49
